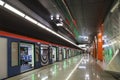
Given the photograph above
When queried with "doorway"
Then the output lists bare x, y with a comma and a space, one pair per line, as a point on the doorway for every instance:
54, 54
60, 54
64, 53
26, 56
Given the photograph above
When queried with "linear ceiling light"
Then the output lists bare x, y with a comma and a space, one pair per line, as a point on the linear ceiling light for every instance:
114, 7
42, 26
82, 67
2, 3
109, 44
7, 6
31, 19
60, 24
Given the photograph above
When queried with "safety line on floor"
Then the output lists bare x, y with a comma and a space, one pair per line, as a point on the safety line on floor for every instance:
74, 69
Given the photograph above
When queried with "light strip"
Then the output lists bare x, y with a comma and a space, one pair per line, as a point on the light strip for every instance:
59, 24
31, 19
74, 70
114, 7
82, 67
2, 3
112, 43
9, 7
42, 26
14, 10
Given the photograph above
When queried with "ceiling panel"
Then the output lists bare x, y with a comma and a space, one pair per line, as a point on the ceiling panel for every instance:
89, 14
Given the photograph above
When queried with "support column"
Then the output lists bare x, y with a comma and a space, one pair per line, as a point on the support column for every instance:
100, 44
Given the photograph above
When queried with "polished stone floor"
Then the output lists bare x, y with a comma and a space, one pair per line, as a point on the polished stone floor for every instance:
81, 67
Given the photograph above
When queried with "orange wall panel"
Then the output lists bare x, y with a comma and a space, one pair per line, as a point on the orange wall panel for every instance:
99, 47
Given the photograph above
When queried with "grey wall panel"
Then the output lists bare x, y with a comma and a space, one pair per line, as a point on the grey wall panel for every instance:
3, 58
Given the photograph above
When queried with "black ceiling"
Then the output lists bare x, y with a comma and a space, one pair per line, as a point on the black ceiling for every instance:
40, 10
88, 14
13, 23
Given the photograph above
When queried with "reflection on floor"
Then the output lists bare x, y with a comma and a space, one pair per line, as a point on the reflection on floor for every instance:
77, 68
25, 67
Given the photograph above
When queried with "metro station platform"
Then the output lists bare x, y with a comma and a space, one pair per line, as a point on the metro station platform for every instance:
82, 67
49, 39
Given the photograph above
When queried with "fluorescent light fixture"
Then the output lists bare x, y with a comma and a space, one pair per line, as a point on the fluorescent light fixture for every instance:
104, 37
82, 67
68, 31
42, 26
7, 6
82, 45
57, 16
2, 3
51, 17
31, 19
85, 38
114, 7
59, 24
106, 45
